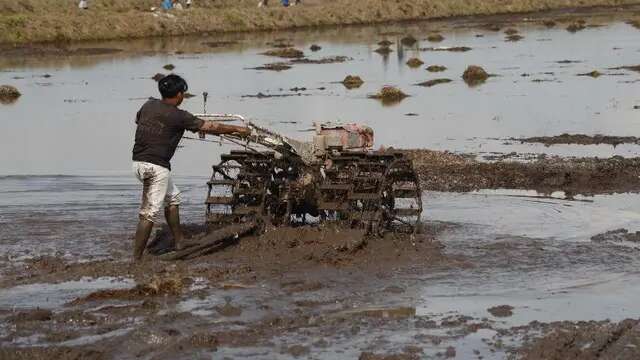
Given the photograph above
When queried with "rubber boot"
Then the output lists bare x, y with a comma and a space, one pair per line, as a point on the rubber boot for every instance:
172, 215
143, 232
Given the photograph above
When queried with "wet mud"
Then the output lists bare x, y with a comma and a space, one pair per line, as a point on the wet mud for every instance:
36, 50
324, 60
581, 139
441, 171
474, 75
618, 235
434, 82
273, 67
326, 293
587, 340
288, 53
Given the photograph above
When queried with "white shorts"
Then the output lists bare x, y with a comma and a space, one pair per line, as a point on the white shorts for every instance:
157, 189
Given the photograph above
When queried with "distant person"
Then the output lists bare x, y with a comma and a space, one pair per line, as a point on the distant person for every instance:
262, 3
188, 4
285, 3
160, 125
167, 4
83, 5
177, 5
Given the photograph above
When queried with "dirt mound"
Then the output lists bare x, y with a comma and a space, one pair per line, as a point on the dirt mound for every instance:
549, 23
288, 53
436, 68
8, 94
325, 60
593, 74
435, 37
383, 50
217, 44
434, 82
511, 31
576, 26
501, 310
474, 75
627, 67
389, 95
586, 341
514, 38
447, 48
414, 62
169, 67
408, 40
581, 139
385, 43
279, 66
442, 171
617, 235
352, 82
402, 356
315, 47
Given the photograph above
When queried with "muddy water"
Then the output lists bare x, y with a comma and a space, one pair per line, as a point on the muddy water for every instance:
522, 249
80, 120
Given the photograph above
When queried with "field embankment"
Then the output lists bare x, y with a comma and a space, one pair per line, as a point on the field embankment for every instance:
28, 21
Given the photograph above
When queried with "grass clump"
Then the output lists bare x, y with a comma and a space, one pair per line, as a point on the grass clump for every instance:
352, 82
408, 40
514, 38
389, 95
9, 94
576, 26
288, 53
414, 62
435, 38
436, 68
474, 75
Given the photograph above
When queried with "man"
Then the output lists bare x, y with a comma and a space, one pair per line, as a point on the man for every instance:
160, 126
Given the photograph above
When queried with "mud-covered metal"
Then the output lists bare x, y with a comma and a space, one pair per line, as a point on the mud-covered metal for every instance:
336, 178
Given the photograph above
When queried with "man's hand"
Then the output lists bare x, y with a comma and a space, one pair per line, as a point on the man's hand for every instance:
244, 131
217, 128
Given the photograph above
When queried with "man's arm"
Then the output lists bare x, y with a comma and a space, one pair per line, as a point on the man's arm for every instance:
216, 128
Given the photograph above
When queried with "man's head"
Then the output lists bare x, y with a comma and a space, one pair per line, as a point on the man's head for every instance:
172, 88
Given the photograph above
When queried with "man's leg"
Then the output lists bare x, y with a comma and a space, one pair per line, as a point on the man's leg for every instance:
155, 180
143, 231
172, 214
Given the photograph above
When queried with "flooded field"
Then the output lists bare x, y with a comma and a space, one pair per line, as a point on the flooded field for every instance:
493, 269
